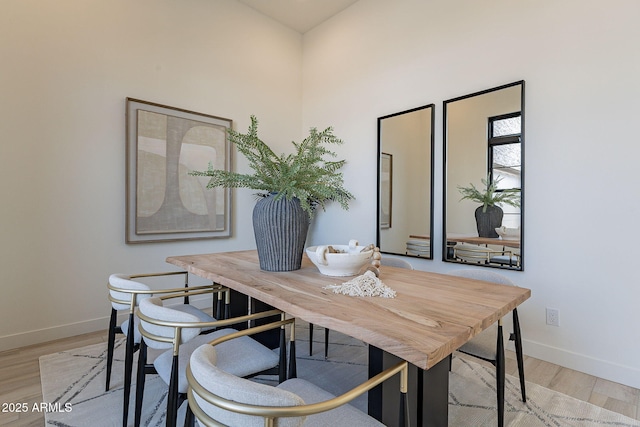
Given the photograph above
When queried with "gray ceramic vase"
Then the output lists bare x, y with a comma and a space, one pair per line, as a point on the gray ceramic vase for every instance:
280, 227
488, 221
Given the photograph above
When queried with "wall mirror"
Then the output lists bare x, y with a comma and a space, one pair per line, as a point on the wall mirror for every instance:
405, 177
484, 154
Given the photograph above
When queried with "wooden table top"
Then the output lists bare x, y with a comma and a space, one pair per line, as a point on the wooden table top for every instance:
431, 316
485, 241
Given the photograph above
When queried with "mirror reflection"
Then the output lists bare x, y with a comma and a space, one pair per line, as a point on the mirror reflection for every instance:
405, 176
483, 177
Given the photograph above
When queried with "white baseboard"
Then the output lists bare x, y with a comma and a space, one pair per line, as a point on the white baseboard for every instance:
38, 336
622, 374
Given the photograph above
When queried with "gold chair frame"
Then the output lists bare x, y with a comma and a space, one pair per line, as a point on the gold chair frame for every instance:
271, 413
176, 339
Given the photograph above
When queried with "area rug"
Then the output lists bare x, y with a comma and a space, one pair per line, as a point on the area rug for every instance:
76, 379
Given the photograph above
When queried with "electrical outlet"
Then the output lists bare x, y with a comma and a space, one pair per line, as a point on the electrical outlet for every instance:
553, 317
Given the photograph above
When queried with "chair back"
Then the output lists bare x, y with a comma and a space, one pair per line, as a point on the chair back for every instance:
472, 253
396, 262
222, 384
121, 299
418, 247
483, 274
154, 317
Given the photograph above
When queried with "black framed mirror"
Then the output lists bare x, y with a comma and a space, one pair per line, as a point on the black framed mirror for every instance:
483, 185
405, 182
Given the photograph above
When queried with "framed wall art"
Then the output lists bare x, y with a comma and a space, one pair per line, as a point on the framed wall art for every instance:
164, 202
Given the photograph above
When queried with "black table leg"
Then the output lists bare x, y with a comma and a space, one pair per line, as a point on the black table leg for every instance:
427, 395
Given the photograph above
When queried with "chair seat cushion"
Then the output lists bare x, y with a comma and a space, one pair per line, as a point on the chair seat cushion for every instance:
241, 357
484, 344
346, 415
185, 308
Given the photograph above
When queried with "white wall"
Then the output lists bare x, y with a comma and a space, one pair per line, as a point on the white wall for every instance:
379, 57
67, 67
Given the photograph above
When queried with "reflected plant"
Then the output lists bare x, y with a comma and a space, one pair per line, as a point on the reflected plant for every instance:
490, 195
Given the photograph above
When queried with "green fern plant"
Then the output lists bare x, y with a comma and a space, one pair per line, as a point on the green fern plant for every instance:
304, 174
490, 196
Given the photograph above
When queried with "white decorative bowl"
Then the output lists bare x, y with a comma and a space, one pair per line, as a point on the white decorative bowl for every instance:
508, 233
347, 262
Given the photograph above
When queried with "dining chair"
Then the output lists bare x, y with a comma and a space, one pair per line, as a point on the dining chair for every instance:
476, 254
125, 293
508, 258
473, 254
178, 334
396, 262
418, 247
489, 344
389, 262
217, 397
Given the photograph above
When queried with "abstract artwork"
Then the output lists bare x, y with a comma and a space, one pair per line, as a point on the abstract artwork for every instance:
164, 202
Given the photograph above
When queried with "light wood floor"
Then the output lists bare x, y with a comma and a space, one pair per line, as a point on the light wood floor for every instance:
20, 380
597, 391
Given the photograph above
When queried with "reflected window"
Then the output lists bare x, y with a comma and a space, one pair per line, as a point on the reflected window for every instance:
505, 159
505, 126
505, 156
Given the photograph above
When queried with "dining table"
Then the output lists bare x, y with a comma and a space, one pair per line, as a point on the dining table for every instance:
512, 243
431, 315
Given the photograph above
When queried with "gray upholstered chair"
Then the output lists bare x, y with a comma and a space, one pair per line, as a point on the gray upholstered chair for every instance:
476, 254
473, 254
418, 247
125, 293
388, 261
395, 262
489, 344
217, 397
164, 328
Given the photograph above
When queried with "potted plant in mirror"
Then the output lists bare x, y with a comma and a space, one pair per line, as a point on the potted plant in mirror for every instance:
489, 215
291, 187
